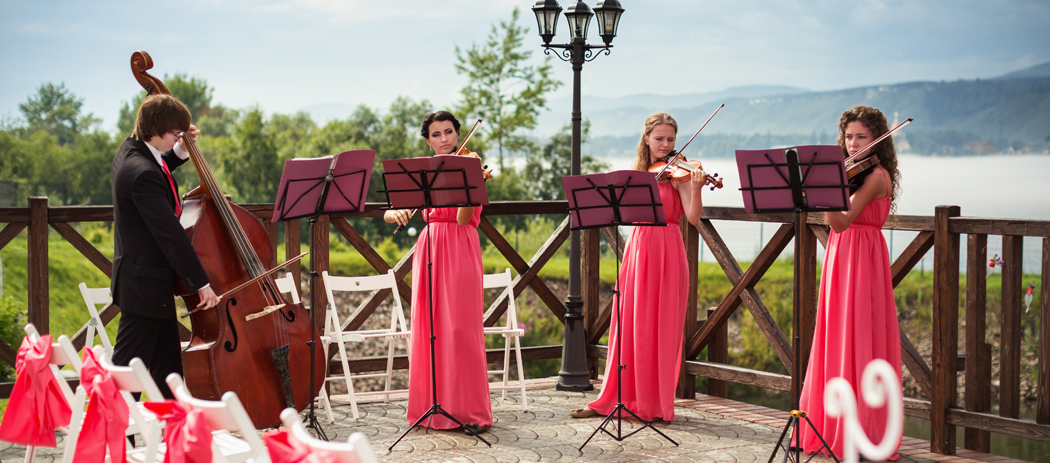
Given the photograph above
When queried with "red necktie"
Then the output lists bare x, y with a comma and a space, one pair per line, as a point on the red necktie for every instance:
174, 191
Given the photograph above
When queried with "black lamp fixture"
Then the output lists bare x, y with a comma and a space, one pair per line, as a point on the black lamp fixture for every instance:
579, 17
608, 15
547, 12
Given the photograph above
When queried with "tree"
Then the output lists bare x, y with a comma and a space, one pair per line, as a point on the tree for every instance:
544, 171
495, 70
191, 91
252, 168
56, 111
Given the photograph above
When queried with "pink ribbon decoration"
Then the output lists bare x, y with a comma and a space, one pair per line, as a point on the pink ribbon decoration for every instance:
106, 417
186, 432
283, 448
37, 406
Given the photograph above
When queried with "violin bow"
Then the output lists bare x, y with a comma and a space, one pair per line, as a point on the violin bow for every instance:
877, 140
678, 153
469, 134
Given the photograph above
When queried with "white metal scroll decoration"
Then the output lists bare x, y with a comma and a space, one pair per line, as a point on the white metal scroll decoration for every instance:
879, 387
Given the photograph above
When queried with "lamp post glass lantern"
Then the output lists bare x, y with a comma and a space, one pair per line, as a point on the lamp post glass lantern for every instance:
607, 13
547, 12
574, 374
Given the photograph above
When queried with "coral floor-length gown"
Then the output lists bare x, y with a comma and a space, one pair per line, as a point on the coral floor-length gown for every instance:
654, 282
462, 372
856, 323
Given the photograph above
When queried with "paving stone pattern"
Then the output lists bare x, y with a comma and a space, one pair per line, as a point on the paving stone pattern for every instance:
708, 429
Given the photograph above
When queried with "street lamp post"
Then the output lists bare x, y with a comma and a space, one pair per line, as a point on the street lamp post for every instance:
574, 375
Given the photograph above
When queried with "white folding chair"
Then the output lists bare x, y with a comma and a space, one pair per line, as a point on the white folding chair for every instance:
397, 329
355, 450
93, 297
62, 354
225, 417
509, 331
134, 378
286, 284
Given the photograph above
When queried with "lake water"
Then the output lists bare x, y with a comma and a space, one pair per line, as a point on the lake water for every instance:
1003, 187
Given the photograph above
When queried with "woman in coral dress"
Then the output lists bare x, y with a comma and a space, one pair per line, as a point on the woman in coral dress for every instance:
450, 243
856, 314
654, 283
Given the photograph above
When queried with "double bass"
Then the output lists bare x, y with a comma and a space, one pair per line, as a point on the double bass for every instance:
254, 342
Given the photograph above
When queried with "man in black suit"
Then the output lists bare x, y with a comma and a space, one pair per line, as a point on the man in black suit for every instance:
150, 247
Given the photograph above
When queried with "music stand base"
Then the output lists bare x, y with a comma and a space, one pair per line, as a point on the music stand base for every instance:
619, 436
311, 418
437, 410
792, 430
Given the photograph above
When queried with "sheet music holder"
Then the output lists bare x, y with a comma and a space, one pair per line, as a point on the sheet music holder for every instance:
427, 183
436, 181
306, 190
624, 197
783, 179
799, 179
314, 186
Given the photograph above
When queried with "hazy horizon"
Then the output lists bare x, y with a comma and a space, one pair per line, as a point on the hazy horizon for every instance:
288, 55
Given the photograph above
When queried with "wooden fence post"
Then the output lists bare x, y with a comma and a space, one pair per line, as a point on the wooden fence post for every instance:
38, 310
691, 237
1010, 332
945, 330
1042, 413
978, 367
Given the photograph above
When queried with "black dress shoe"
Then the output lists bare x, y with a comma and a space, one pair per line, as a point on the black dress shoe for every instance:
474, 428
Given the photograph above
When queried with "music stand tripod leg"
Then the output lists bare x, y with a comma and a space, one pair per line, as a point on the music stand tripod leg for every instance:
435, 408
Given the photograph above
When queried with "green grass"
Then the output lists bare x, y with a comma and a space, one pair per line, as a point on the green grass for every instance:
67, 268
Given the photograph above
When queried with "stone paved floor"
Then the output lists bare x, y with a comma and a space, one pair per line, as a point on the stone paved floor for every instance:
708, 429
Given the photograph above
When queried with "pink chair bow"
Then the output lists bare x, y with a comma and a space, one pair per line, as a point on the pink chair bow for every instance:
283, 448
36, 406
106, 417
186, 432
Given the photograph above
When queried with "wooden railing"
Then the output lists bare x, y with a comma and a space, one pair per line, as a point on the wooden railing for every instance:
936, 380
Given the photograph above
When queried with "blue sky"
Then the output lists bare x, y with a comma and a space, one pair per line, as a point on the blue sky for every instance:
289, 55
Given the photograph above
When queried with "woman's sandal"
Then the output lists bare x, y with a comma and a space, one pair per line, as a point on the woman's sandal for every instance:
585, 412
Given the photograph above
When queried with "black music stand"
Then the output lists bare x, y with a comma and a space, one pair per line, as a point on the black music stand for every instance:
625, 197
801, 179
426, 183
305, 191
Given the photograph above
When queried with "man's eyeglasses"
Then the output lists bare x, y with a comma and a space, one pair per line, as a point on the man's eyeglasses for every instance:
178, 134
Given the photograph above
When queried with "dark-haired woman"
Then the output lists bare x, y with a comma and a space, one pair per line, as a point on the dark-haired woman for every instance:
655, 285
856, 314
450, 243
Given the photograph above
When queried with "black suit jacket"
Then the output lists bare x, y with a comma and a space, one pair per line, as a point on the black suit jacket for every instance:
150, 247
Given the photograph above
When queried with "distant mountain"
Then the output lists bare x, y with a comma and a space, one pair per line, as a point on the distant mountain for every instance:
1042, 70
1014, 108
560, 109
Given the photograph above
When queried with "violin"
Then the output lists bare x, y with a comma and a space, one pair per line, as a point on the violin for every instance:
678, 169
460, 151
855, 164
463, 151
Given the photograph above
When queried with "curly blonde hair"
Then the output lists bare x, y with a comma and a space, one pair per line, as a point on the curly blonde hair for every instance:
653, 120
875, 121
